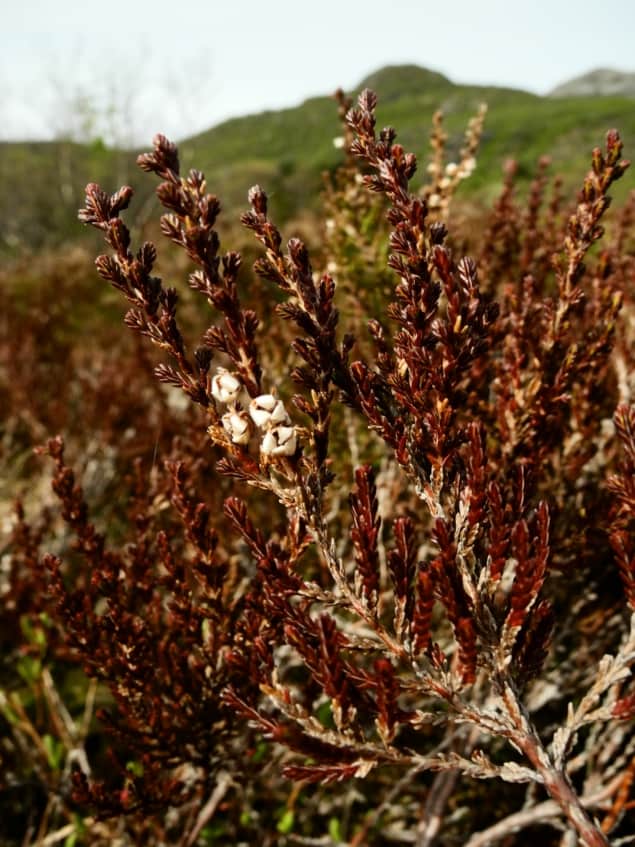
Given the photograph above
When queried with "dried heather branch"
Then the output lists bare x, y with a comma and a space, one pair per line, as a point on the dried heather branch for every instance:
446, 177
365, 533
488, 408
584, 226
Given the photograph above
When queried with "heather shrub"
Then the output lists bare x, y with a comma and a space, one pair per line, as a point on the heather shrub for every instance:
381, 589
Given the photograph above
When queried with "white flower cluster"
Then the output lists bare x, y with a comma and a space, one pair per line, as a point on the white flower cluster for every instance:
270, 415
460, 171
453, 174
266, 411
225, 387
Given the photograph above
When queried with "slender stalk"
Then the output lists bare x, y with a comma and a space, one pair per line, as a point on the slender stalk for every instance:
209, 809
555, 781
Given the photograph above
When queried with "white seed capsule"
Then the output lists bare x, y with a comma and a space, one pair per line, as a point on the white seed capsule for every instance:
279, 441
279, 415
236, 424
261, 408
225, 387
267, 410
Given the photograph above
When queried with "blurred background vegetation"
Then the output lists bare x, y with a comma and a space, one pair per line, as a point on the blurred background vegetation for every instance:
288, 150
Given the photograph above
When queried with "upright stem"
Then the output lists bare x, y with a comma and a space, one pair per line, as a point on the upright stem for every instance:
559, 788
555, 780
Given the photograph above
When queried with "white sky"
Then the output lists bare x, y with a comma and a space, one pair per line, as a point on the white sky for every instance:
180, 67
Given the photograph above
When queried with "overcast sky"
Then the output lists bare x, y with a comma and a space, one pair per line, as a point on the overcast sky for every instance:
129, 69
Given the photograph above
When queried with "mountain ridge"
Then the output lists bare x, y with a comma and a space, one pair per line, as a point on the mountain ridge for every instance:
599, 82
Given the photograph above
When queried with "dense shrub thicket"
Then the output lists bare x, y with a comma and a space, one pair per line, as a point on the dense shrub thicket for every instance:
358, 566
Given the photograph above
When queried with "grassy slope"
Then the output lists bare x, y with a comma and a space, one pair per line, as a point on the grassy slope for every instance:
518, 124
287, 150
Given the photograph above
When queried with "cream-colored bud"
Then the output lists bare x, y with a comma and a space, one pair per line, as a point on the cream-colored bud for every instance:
434, 201
236, 424
451, 169
339, 142
445, 183
225, 387
279, 441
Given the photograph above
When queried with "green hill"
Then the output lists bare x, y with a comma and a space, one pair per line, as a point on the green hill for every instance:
287, 150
